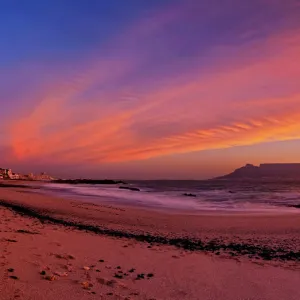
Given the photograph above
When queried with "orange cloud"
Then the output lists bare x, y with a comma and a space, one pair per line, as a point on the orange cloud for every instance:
280, 129
237, 101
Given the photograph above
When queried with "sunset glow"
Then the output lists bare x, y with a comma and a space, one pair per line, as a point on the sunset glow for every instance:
171, 80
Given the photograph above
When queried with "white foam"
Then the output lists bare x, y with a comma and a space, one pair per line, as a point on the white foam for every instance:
218, 200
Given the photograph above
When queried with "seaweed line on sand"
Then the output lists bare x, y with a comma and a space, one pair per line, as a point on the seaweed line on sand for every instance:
215, 246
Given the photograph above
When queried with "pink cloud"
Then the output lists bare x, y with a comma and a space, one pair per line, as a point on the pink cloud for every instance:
249, 94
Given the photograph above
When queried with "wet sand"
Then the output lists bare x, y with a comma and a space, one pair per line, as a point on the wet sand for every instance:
57, 248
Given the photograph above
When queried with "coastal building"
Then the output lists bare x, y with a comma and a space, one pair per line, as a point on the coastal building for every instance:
44, 176
14, 176
8, 174
5, 173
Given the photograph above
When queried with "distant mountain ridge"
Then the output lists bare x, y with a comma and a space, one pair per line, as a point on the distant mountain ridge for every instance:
274, 170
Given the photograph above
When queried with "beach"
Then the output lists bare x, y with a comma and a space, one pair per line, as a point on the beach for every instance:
56, 247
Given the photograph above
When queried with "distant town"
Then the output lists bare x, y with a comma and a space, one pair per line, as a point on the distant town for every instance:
8, 174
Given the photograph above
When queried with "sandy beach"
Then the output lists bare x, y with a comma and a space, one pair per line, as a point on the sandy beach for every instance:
60, 248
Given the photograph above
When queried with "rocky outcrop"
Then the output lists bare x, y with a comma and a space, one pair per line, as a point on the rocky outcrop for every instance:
88, 181
129, 188
189, 195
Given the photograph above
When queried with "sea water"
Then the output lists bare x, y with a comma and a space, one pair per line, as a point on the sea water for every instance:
210, 195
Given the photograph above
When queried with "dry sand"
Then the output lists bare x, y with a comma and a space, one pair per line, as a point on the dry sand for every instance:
91, 249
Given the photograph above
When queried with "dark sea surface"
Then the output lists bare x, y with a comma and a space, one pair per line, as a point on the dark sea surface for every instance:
211, 195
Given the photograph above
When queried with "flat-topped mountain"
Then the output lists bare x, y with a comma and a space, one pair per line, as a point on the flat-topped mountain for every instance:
275, 170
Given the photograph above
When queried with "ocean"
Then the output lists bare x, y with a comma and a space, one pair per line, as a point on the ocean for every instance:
204, 196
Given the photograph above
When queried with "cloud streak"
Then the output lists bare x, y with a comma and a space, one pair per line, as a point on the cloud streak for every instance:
116, 107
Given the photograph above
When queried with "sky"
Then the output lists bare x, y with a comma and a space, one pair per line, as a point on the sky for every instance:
167, 89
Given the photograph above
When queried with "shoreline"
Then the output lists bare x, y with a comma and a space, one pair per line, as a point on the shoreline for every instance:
245, 235
214, 246
41, 188
100, 200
